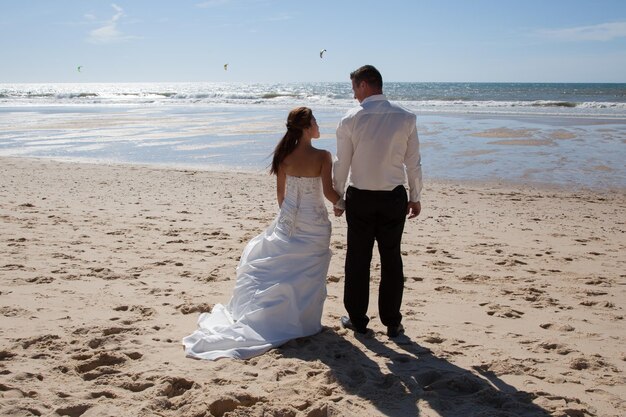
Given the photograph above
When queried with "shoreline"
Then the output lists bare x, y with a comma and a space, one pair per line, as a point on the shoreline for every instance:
514, 300
495, 112
499, 183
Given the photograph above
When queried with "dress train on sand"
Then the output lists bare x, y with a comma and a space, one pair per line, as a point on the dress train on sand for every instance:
281, 282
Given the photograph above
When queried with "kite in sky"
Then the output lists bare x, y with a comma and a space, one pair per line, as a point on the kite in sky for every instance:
322, 53
79, 68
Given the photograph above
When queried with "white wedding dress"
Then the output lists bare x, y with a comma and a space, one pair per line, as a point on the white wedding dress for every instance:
281, 282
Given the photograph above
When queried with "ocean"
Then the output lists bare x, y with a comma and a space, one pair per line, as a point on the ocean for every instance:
570, 135
543, 98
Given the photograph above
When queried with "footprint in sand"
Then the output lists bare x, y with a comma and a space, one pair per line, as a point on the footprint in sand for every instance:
73, 410
597, 282
595, 293
475, 278
217, 274
16, 242
594, 362
511, 262
219, 235
104, 273
160, 292
13, 311
100, 365
135, 386
8, 391
40, 280
498, 310
228, 403
559, 348
48, 342
12, 267
102, 394
116, 330
143, 312
6, 355
446, 289
536, 297
434, 338
195, 308
91, 367
512, 366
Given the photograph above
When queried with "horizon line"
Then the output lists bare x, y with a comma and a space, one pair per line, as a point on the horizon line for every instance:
310, 81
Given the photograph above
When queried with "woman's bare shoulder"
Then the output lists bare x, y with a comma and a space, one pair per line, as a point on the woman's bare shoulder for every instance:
323, 153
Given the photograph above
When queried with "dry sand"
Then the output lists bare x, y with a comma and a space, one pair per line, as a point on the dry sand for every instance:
514, 302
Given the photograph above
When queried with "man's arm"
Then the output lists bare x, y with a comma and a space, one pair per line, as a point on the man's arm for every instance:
341, 166
413, 164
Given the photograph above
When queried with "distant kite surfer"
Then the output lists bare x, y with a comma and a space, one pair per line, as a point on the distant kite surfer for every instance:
225, 67
79, 68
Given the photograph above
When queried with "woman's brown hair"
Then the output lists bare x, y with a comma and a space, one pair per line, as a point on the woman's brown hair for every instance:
298, 120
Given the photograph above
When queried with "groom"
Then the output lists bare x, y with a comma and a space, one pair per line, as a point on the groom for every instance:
377, 146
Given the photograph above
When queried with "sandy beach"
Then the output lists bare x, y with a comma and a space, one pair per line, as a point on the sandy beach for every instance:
514, 301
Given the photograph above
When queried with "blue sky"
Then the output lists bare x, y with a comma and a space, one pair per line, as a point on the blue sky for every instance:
280, 40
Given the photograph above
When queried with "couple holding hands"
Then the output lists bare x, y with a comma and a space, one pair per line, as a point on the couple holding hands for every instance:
281, 277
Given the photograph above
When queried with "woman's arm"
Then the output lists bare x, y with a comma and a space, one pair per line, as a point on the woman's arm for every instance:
327, 178
281, 179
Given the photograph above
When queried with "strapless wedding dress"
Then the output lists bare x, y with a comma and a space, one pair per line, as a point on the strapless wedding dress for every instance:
281, 282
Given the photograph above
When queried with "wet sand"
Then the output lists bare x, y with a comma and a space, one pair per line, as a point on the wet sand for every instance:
539, 148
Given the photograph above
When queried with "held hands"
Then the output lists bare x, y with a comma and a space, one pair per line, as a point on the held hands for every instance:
339, 207
413, 209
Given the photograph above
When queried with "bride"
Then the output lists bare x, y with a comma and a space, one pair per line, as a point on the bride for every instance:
281, 278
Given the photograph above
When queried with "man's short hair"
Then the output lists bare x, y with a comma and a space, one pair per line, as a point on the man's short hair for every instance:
369, 74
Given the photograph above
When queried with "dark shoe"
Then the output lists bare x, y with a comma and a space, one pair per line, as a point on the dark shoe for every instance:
346, 323
395, 331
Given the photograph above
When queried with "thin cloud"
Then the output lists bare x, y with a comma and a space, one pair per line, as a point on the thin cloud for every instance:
280, 18
237, 3
212, 3
109, 32
602, 32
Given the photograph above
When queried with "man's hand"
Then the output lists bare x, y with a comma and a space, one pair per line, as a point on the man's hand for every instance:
339, 207
414, 208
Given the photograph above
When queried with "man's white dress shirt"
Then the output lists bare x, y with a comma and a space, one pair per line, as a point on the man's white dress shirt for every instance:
378, 148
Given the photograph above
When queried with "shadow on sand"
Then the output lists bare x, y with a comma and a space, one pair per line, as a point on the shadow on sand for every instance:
409, 379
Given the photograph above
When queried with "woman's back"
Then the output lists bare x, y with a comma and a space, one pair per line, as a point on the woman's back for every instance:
304, 162
307, 161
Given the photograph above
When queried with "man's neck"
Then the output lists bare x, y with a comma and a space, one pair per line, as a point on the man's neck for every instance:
370, 95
